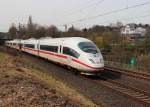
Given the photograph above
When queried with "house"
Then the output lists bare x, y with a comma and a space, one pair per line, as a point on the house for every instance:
132, 31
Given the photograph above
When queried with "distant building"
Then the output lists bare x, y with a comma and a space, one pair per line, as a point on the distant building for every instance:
117, 24
131, 30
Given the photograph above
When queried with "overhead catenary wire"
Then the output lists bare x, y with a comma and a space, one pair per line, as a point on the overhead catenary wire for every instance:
121, 19
111, 12
130, 18
83, 8
72, 9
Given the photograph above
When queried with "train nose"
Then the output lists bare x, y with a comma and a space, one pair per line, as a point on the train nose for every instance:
97, 61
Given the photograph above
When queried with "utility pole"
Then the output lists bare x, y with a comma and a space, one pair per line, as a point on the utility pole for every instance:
66, 27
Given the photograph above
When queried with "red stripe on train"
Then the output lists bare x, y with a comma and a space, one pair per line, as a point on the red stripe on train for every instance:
63, 56
54, 54
79, 62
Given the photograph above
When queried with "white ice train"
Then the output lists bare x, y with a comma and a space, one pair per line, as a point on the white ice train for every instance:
75, 52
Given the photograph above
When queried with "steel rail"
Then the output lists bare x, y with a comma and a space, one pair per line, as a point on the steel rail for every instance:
138, 75
134, 93
137, 95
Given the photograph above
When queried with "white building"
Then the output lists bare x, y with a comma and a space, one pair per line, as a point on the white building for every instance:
133, 31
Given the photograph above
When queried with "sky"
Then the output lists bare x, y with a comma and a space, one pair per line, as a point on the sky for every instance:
61, 12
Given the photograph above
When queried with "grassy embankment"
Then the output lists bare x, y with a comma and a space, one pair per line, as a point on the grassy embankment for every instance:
32, 70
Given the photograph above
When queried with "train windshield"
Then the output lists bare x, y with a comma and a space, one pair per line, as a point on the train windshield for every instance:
88, 47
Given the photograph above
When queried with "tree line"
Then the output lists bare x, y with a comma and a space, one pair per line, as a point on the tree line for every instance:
107, 38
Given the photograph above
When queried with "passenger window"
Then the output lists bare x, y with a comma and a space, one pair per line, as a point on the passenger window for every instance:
14, 44
49, 48
71, 52
29, 45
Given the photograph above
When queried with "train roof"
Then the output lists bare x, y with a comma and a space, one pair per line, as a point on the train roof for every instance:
48, 40
67, 39
15, 40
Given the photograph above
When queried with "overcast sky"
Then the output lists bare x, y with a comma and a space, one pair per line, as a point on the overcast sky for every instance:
59, 12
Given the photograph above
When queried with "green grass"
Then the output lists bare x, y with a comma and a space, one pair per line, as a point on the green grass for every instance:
2, 56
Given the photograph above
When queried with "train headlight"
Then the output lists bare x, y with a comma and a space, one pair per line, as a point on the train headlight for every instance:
92, 61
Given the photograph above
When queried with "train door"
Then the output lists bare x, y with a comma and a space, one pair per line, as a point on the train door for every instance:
38, 47
23, 46
60, 49
66, 51
20, 45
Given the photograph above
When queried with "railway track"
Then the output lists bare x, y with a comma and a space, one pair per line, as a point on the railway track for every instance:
138, 95
131, 92
138, 75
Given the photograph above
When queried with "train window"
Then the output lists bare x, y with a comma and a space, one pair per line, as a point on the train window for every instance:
49, 48
14, 44
88, 47
71, 52
29, 45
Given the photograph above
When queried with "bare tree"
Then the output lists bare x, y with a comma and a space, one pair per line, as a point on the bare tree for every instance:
52, 31
12, 31
40, 32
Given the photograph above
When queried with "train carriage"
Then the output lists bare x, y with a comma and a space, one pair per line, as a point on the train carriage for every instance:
75, 52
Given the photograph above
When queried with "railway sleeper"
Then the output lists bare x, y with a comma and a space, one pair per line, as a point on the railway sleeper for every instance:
123, 89
143, 98
137, 94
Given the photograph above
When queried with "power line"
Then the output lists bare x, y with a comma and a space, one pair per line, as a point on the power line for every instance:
111, 12
130, 18
72, 10
88, 6
123, 19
